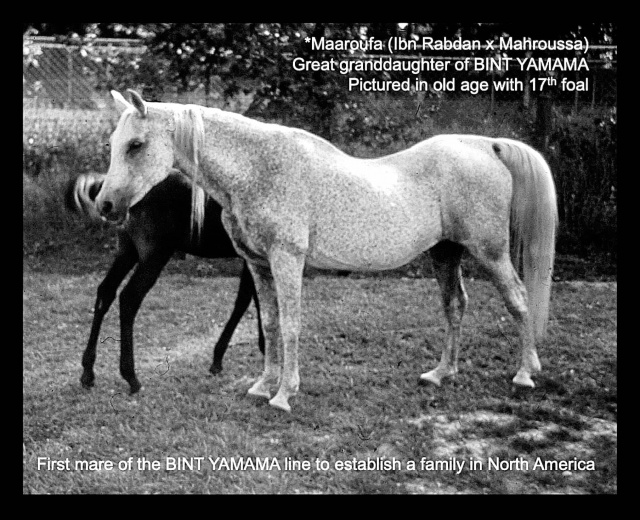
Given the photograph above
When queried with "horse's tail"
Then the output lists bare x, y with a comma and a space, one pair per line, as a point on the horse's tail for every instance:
81, 192
534, 219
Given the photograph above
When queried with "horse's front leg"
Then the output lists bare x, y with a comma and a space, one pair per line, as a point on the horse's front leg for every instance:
287, 268
265, 289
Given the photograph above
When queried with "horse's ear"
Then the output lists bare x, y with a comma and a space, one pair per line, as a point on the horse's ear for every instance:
138, 102
121, 103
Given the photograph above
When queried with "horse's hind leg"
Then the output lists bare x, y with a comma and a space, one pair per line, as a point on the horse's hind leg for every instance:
446, 258
505, 278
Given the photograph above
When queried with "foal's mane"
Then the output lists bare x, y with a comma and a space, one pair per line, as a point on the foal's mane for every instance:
188, 136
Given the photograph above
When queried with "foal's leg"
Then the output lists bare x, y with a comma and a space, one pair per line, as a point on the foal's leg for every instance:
513, 291
446, 262
142, 280
287, 268
123, 263
256, 302
246, 292
265, 288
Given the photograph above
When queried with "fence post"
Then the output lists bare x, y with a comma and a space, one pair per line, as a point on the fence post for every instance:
576, 98
493, 93
69, 76
526, 98
544, 120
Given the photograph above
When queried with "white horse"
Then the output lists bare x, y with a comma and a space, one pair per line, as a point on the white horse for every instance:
291, 197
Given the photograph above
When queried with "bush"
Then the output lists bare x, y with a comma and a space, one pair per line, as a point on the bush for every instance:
62, 142
584, 162
57, 146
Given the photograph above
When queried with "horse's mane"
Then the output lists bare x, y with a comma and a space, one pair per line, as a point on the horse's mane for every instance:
188, 138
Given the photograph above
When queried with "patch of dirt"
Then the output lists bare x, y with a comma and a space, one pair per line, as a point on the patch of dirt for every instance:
484, 435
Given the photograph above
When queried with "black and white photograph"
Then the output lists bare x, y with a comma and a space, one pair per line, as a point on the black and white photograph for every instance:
319, 258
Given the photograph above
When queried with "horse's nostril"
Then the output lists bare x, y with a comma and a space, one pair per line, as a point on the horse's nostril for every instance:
107, 206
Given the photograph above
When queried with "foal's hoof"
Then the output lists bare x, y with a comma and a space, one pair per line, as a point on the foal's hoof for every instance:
134, 387
215, 369
281, 402
87, 381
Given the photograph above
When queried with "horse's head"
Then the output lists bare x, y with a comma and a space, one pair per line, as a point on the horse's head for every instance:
142, 155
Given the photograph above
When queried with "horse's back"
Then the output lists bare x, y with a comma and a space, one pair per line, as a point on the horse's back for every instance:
366, 214
381, 213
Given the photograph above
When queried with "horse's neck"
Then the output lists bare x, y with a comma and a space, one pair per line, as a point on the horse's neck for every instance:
232, 146
234, 130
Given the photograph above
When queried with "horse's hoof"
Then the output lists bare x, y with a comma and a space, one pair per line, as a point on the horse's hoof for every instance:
258, 391
429, 378
280, 402
522, 379
215, 369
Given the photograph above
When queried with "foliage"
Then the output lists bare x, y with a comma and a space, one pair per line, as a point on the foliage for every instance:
585, 166
258, 56
65, 141
255, 59
58, 144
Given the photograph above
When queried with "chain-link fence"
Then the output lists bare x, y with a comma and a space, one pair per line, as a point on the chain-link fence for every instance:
66, 76
55, 75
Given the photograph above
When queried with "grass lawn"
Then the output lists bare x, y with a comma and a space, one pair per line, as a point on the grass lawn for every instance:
364, 343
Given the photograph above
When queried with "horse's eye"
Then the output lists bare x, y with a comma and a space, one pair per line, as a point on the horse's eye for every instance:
134, 146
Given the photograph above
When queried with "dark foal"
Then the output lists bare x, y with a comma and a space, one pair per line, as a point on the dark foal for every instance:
158, 226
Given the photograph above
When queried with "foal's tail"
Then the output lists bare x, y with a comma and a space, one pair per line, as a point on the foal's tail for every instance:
81, 192
534, 219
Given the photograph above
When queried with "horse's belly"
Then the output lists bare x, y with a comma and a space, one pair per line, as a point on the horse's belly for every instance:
372, 235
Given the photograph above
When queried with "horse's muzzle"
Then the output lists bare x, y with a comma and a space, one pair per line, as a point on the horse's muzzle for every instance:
106, 208
109, 214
